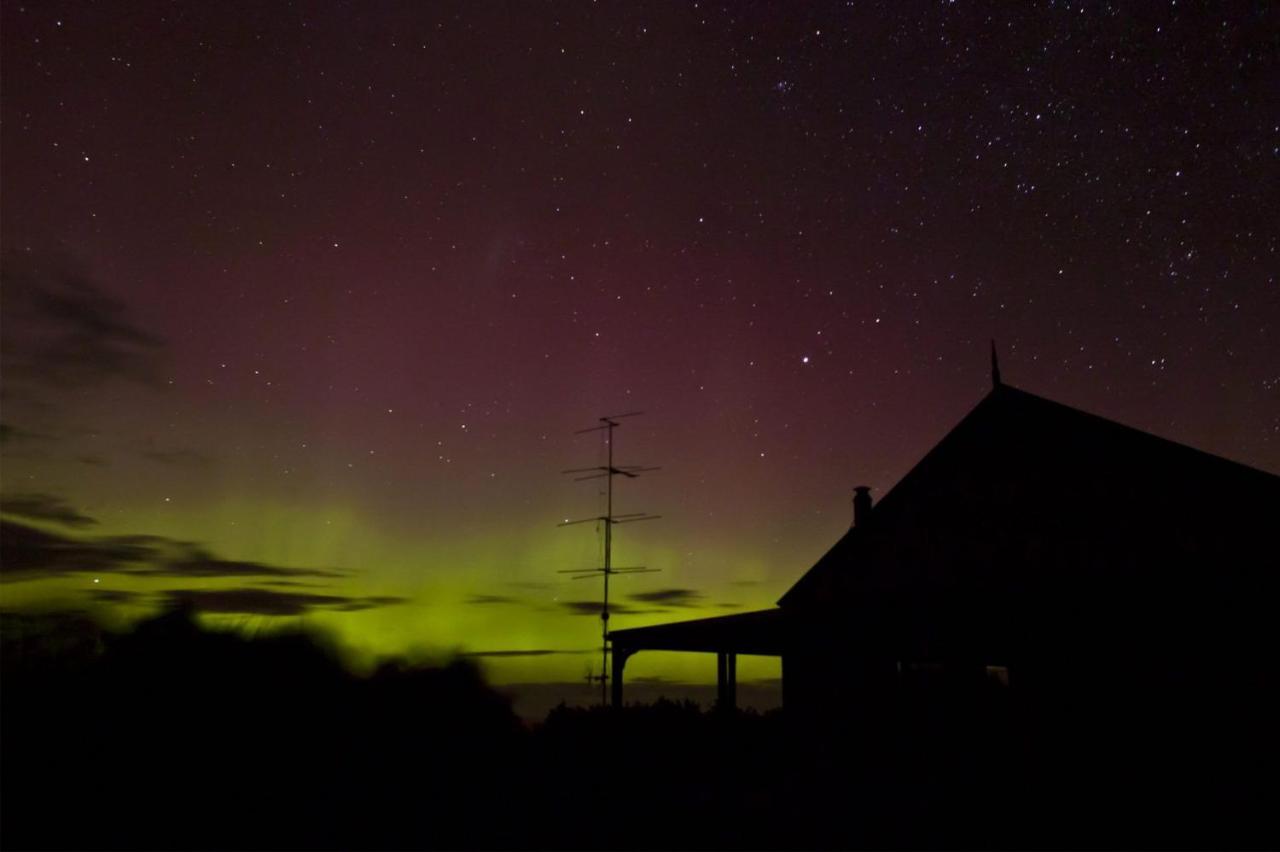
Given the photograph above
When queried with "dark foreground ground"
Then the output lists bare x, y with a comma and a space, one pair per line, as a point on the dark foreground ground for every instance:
174, 737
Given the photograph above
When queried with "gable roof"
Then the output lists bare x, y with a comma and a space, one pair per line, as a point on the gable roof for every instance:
1034, 528
1019, 461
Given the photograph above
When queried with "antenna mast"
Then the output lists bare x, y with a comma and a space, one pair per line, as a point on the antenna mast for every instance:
609, 519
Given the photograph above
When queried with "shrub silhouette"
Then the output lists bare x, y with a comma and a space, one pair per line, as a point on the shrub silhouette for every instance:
174, 736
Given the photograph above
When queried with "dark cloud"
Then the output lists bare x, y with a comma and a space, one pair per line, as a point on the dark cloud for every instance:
371, 602
64, 332
115, 596
245, 600
64, 336
535, 652
254, 601
44, 507
29, 553
593, 608
196, 562
669, 597
729, 605
484, 600
585, 607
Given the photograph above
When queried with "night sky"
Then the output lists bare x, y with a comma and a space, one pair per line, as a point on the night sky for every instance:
303, 303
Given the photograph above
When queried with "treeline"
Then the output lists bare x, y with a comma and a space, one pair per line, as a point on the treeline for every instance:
173, 736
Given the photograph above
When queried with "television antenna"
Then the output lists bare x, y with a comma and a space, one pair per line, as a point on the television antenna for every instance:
607, 472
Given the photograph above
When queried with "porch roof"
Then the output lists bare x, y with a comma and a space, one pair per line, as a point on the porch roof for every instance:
759, 632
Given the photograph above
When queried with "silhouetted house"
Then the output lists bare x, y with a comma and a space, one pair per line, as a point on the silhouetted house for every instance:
1047, 547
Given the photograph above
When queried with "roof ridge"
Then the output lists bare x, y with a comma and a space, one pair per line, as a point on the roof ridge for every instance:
1116, 425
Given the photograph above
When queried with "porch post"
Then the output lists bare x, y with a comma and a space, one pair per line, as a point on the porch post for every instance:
726, 680
619, 663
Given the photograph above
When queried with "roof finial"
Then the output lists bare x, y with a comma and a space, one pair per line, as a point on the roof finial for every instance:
995, 366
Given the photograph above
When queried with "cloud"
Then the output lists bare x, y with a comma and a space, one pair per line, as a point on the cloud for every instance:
29, 553
593, 608
729, 605
64, 335
44, 507
196, 562
370, 602
669, 597
246, 600
63, 331
252, 601
534, 652
115, 596
485, 600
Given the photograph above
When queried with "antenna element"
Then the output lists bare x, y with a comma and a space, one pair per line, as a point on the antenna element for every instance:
609, 519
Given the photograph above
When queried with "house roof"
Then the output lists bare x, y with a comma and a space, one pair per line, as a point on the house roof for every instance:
759, 632
1021, 464
1033, 525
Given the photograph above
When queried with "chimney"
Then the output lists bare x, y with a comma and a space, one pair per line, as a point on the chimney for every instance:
861, 505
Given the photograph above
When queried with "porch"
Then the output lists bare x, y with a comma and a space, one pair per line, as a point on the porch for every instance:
757, 633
